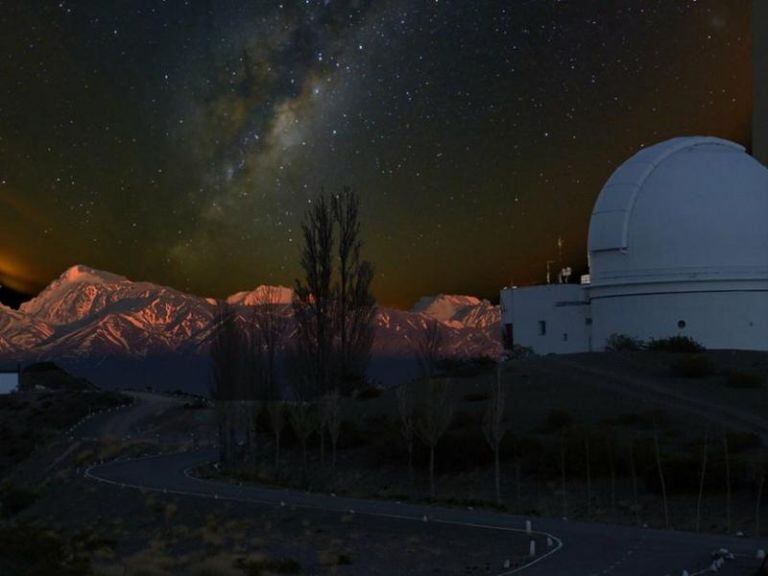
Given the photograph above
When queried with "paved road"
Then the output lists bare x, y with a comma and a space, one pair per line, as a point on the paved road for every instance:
578, 548
120, 423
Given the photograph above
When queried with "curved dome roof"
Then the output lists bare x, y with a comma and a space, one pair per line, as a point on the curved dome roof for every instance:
693, 208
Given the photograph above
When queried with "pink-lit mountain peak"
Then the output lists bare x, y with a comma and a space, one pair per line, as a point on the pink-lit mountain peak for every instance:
84, 293
262, 295
86, 313
458, 310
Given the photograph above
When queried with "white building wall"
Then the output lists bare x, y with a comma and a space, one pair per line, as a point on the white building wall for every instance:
553, 318
717, 320
9, 382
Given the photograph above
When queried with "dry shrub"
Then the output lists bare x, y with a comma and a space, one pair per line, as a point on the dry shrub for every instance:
744, 380
697, 366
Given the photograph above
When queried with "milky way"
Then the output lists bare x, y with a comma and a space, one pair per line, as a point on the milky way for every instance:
181, 142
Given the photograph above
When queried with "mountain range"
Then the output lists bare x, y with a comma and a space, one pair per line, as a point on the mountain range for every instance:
119, 333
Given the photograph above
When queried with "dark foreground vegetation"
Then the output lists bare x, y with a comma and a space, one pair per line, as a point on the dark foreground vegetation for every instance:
50, 402
533, 437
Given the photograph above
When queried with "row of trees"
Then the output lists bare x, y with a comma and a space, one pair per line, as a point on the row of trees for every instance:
334, 307
430, 420
326, 345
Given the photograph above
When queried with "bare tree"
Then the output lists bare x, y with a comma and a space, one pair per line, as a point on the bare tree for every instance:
332, 410
494, 426
588, 465
355, 306
314, 302
276, 411
760, 485
429, 348
612, 469
702, 475
322, 421
518, 473
227, 377
433, 421
633, 473
663, 484
406, 411
334, 311
270, 323
563, 485
303, 423
727, 457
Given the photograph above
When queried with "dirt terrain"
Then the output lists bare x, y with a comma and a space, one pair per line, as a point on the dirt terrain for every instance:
94, 528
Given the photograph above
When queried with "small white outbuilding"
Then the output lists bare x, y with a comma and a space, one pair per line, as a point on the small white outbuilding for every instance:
9, 381
678, 245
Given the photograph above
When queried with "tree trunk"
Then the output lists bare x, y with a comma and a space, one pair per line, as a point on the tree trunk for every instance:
661, 478
333, 454
277, 451
757, 506
589, 476
633, 472
612, 471
410, 465
497, 475
518, 488
701, 485
432, 472
727, 484
562, 477
322, 447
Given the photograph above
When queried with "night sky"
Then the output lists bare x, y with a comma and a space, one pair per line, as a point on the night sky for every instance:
181, 142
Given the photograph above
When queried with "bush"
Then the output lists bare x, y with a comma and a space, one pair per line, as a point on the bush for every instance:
677, 344
476, 397
369, 393
462, 450
743, 442
630, 420
466, 367
14, 500
27, 550
558, 419
692, 367
744, 380
269, 566
681, 474
623, 343
518, 352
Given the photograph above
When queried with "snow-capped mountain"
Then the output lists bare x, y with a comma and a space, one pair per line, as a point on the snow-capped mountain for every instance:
88, 316
459, 311
263, 295
99, 313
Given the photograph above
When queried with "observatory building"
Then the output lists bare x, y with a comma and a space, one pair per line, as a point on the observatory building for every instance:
678, 245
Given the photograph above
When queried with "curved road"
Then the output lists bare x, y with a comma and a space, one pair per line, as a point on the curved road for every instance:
578, 548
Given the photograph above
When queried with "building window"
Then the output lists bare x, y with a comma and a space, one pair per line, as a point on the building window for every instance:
588, 321
542, 328
565, 337
681, 324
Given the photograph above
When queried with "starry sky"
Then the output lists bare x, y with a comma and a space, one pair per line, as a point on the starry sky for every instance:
181, 141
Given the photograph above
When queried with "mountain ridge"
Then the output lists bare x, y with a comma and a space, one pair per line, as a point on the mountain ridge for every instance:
89, 315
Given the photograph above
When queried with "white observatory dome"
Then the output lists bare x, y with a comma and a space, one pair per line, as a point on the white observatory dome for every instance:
684, 210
